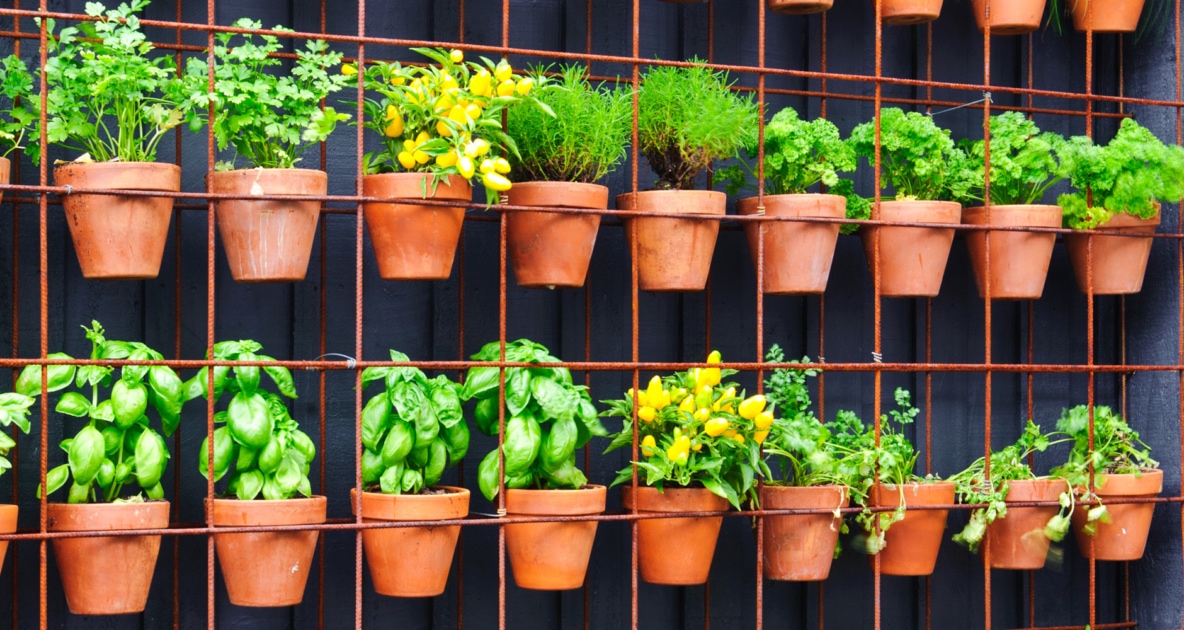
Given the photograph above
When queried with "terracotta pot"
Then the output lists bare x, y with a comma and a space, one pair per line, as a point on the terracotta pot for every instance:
267, 569
800, 548
905, 12
693, 538
912, 259
550, 249
1109, 16
1017, 540
414, 242
1120, 262
1019, 260
913, 543
674, 254
798, 256
800, 7
7, 526
268, 241
5, 174
552, 556
1125, 536
411, 561
119, 237
1009, 17
108, 575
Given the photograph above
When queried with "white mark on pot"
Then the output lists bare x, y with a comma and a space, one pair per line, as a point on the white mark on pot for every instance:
1124, 531
256, 189
295, 568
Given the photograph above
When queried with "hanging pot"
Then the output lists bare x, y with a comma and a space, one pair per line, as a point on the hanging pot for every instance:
551, 249
411, 561
674, 254
268, 241
912, 543
800, 548
905, 12
552, 556
798, 255
1120, 262
119, 237
1019, 260
800, 7
107, 575
1009, 17
412, 241
912, 259
267, 569
1125, 536
676, 551
5, 174
1017, 540
1109, 16
7, 526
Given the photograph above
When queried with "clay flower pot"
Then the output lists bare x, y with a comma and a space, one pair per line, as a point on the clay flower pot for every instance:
7, 526
676, 551
1017, 540
551, 249
674, 254
913, 543
1109, 16
1009, 17
552, 556
798, 256
107, 575
414, 242
904, 12
800, 548
268, 241
411, 561
912, 259
1120, 262
1125, 536
119, 237
800, 7
1019, 260
5, 174
267, 569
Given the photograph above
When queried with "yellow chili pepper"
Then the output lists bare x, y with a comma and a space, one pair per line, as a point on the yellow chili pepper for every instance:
487, 167
697, 447
407, 160
525, 85
715, 427
480, 83
398, 80
394, 129
720, 405
442, 129
702, 415
473, 111
730, 433
648, 446
444, 103
349, 69
687, 405
456, 56
503, 71
752, 406
760, 436
464, 165
763, 420
496, 182
647, 414
444, 160
739, 438
421, 157
502, 165
505, 88
457, 115
422, 138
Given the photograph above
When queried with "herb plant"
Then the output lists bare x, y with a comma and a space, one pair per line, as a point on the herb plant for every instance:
798, 155
1131, 174
688, 118
1024, 161
695, 429
547, 418
797, 440
269, 118
917, 158
443, 119
117, 446
107, 97
268, 452
1007, 465
1117, 450
583, 139
16, 84
411, 430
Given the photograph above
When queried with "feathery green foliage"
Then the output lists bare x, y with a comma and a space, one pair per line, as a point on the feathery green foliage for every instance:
917, 158
1024, 161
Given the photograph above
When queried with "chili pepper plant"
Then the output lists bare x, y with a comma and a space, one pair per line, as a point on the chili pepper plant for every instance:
695, 429
443, 118
116, 447
547, 418
412, 430
259, 443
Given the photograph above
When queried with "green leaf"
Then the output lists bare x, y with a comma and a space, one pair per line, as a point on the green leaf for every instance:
73, 404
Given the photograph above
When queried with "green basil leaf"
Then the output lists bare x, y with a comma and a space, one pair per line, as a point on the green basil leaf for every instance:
517, 390
456, 438
375, 420
249, 484
128, 402
559, 445
55, 479
400, 441
86, 454
250, 420
73, 404
150, 458
437, 460
521, 446
487, 475
479, 381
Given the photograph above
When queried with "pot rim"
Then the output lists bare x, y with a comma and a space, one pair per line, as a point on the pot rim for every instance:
567, 501
156, 505
239, 171
455, 493
266, 511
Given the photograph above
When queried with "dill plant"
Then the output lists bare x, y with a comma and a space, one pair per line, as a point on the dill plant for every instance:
582, 142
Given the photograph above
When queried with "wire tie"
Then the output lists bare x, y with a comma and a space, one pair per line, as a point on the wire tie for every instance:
821, 359
985, 99
69, 190
877, 357
350, 362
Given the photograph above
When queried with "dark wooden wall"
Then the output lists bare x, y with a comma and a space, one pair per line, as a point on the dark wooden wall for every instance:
421, 319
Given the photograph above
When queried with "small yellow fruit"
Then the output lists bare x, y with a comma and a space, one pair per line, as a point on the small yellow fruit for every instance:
421, 157
480, 84
760, 436
445, 160
501, 165
647, 414
456, 56
496, 182
407, 160
487, 167
349, 69
752, 406
442, 129
503, 72
763, 420
648, 445
505, 88
465, 166
525, 85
